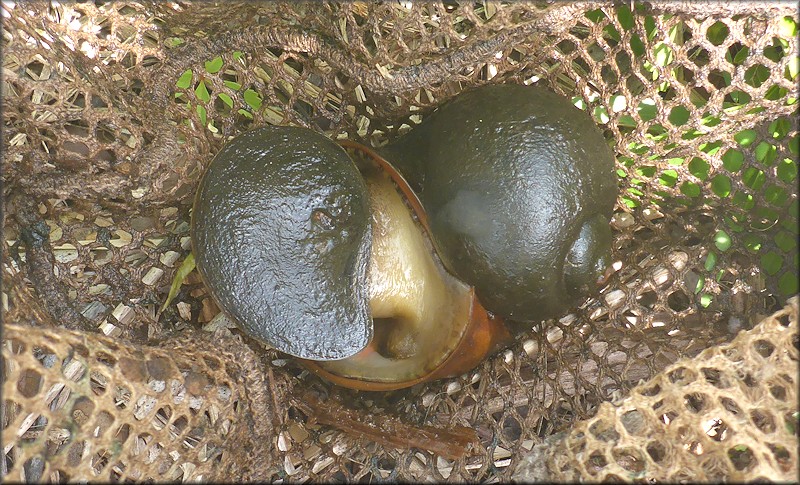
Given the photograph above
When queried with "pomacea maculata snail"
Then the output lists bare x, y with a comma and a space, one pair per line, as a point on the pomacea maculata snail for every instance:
383, 270
519, 187
281, 235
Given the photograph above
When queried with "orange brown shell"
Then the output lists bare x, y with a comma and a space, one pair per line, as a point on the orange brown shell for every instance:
485, 332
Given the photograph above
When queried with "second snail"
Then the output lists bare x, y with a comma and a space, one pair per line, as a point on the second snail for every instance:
381, 270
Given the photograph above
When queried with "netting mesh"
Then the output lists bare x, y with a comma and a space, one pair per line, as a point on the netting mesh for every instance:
728, 414
112, 109
79, 408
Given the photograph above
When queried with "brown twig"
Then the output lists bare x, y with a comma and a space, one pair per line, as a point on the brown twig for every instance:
385, 429
39, 261
400, 78
717, 8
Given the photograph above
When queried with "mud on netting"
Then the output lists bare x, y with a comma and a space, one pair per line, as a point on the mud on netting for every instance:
111, 111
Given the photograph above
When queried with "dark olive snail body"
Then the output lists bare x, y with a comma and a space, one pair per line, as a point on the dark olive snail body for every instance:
519, 186
281, 236
380, 279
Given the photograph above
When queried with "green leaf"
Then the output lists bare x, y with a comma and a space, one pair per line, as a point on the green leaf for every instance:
635, 191
579, 102
637, 46
202, 92
733, 223
766, 153
174, 41
717, 33
711, 260
699, 168
745, 137
739, 97
793, 68
690, 189
771, 262
657, 132
740, 56
787, 27
711, 147
787, 170
721, 185
780, 128
722, 240
595, 15
630, 202
669, 178
766, 217
775, 195
252, 98
743, 200
226, 99
646, 171
183, 271
627, 121
214, 65
754, 178
788, 283
701, 283
733, 160
612, 33
756, 75
625, 17
650, 27
663, 54
201, 111
692, 134
185, 80
794, 211
775, 93
675, 32
647, 111
233, 85
601, 115
785, 241
679, 115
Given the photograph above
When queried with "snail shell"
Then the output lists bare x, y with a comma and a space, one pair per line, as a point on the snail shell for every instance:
427, 324
281, 237
333, 265
519, 186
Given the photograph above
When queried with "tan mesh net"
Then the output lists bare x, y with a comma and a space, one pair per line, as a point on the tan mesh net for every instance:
729, 414
111, 109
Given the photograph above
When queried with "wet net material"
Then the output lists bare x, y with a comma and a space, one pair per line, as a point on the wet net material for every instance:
81, 408
729, 414
112, 109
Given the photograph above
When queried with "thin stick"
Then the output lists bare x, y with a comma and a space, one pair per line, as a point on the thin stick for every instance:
386, 429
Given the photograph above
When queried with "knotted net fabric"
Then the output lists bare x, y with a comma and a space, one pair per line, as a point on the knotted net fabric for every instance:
729, 413
112, 109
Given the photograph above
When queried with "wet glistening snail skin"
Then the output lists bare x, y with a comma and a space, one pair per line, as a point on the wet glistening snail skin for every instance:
384, 270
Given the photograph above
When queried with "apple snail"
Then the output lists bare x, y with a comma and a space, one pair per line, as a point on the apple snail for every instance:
381, 270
